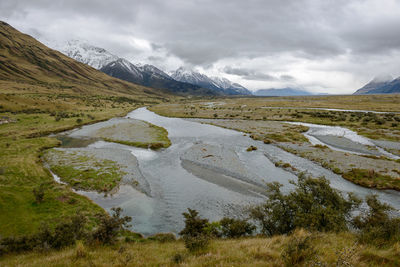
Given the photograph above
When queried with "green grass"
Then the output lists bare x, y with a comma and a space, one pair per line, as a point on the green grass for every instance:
376, 126
21, 146
103, 180
372, 179
159, 139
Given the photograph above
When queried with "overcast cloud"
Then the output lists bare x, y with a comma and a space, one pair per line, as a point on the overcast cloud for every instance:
330, 46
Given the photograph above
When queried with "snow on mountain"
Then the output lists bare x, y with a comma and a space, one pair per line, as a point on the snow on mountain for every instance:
196, 78
150, 69
230, 87
220, 85
374, 85
181, 81
85, 53
123, 69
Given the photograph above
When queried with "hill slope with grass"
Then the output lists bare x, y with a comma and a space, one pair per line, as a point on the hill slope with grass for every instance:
42, 92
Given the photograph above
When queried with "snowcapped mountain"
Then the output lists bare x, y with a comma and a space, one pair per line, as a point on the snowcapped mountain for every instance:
217, 84
124, 70
375, 86
231, 88
189, 76
83, 52
154, 71
182, 81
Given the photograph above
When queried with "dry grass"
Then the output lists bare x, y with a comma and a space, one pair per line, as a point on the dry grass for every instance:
331, 250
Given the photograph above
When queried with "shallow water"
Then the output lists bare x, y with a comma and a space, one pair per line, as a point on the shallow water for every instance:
316, 130
214, 193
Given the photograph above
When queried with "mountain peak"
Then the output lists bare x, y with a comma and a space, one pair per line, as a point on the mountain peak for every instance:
83, 52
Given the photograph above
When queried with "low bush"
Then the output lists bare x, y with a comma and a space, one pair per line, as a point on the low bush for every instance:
299, 249
375, 225
163, 237
110, 226
194, 234
234, 228
251, 148
38, 193
313, 205
64, 234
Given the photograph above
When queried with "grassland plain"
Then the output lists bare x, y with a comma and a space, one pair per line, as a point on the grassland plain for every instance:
262, 119
329, 250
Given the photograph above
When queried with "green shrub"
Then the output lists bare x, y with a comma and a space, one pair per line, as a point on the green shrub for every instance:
64, 234
313, 205
163, 237
251, 148
38, 193
178, 258
195, 234
375, 225
110, 226
234, 228
298, 250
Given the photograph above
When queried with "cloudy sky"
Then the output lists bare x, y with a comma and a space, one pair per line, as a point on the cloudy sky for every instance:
331, 46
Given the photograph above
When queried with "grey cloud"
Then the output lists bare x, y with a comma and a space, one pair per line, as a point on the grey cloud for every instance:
249, 74
204, 32
287, 78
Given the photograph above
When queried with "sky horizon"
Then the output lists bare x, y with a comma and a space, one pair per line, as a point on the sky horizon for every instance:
331, 47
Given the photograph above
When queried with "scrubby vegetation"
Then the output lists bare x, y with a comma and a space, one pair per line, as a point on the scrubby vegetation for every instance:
371, 178
311, 226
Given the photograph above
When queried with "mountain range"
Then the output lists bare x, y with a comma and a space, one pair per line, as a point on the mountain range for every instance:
27, 63
281, 92
181, 81
381, 85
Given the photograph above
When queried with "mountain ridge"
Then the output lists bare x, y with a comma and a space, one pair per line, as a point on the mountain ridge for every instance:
374, 85
288, 91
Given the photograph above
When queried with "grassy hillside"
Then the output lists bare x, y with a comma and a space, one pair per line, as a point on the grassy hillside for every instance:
324, 250
43, 92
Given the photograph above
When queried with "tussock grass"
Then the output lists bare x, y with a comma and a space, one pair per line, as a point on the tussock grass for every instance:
256, 251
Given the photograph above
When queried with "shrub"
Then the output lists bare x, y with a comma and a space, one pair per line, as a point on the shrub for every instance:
178, 258
194, 234
38, 193
64, 234
298, 250
79, 121
251, 148
234, 228
313, 205
196, 243
163, 237
375, 225
110, 226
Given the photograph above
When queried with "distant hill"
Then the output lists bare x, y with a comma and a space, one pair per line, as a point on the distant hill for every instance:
390, 88
281, 92
376, 85
25, 60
